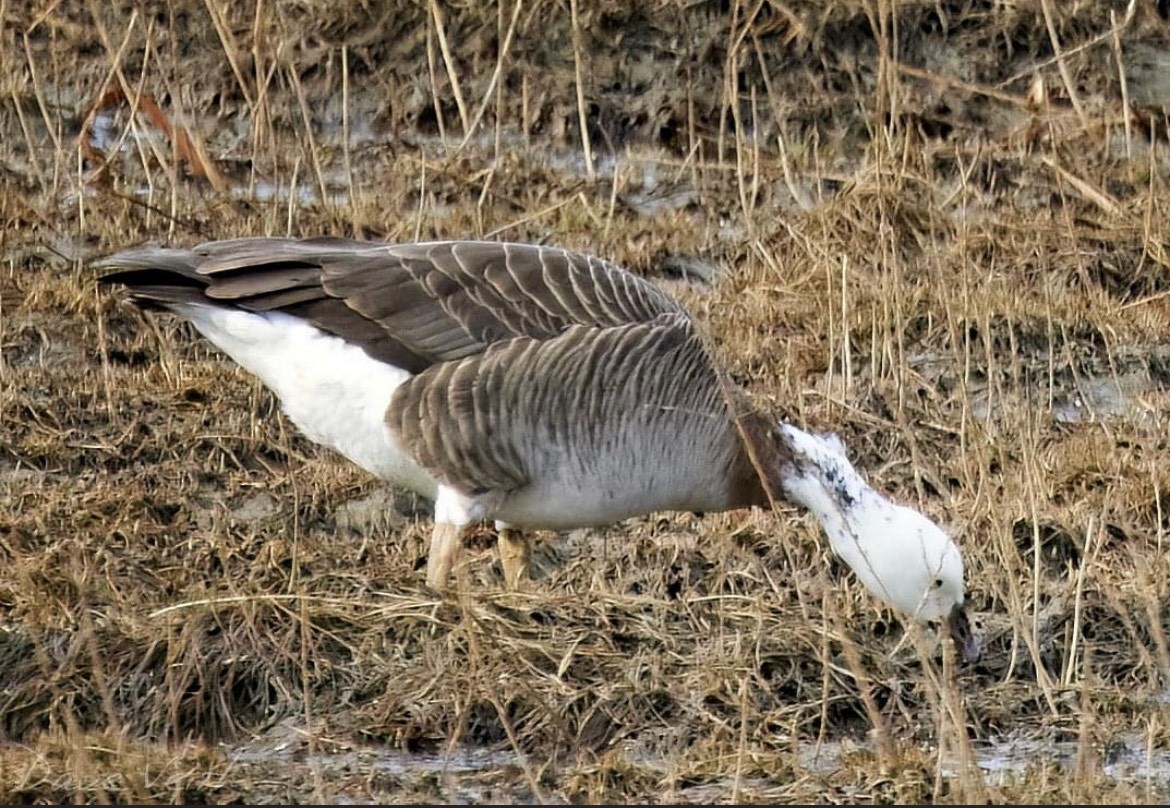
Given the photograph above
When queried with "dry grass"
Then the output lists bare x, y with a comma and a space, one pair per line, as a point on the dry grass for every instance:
936, 229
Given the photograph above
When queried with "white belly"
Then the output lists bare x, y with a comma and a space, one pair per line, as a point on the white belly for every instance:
333, 391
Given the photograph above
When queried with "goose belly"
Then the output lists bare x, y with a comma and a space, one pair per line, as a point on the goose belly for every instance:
332, 390
565, 504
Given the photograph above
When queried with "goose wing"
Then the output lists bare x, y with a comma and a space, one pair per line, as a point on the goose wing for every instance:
412, 305
582, 408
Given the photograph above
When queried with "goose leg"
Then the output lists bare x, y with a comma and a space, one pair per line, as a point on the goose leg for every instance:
453, 513
514, 554
446, 539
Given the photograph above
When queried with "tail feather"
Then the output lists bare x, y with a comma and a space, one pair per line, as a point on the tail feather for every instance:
156, 276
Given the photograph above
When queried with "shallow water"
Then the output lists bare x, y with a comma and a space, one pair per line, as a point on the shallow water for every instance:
463, 775
1129, 759
467, 775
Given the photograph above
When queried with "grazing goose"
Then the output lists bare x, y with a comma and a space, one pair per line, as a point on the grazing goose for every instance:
528, 385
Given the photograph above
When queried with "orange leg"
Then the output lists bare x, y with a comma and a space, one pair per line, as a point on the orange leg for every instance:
514, 554
446, 541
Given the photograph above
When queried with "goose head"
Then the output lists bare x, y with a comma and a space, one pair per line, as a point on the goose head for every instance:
901, 556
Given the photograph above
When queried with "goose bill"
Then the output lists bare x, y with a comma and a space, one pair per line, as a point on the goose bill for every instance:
966, 642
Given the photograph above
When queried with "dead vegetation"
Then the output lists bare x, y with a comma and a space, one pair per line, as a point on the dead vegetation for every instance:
935, 228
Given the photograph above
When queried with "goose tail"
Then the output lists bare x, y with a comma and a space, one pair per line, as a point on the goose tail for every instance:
156, 277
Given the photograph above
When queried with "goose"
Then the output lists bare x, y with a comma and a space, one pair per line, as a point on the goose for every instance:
531, 386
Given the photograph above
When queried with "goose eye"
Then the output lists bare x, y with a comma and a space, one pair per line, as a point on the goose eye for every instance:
938, 582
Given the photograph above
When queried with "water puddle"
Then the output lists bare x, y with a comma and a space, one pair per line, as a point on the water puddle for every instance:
390, 761
463, 775
1130, 759
468, 774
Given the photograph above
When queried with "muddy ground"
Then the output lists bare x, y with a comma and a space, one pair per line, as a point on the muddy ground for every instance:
935, 228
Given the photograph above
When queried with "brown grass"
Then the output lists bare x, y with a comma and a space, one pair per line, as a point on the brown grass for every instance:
936, 229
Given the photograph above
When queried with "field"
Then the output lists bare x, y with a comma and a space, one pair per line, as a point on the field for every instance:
934, 228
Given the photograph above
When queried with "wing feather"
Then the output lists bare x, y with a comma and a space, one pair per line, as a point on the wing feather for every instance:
502, 419
414, 304
438, 301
